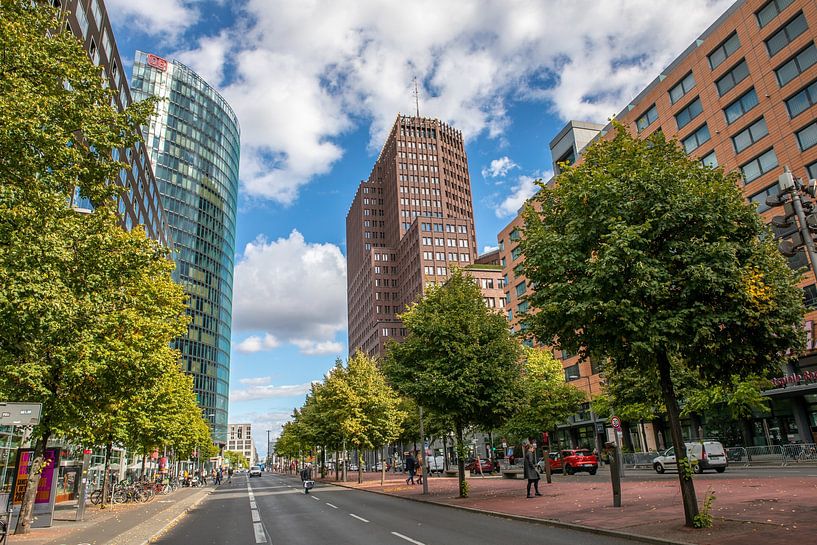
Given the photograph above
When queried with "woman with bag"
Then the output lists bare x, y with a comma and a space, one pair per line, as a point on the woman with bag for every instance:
530, 468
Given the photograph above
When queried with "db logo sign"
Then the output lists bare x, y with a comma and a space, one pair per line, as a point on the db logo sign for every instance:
157, 62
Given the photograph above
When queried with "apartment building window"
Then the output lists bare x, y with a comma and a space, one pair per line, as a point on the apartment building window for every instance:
572, 372
759, 198
770, 10
739, 107
728, 81
802, 100
647, 118
464, 257
750, 135
515, 235
807, 137
682, 88
759, 166
783, 37
690, 112
520, 289
510, 314
516, 252
442, 271
696, 139
810, 296
523, 306
812, 170
798, 64
710, 160
723, 51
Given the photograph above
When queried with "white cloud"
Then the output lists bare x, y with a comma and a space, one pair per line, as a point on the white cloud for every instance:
154, 17
293, 291
257, 381
520, 192
269, 391
254, 343
489, 249
498, 167
312, 348
304, 73
208, 59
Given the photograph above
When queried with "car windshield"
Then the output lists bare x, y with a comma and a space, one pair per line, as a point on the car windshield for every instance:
254, 468
583, 453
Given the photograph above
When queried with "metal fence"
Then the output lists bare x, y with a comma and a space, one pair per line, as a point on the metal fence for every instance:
774, 455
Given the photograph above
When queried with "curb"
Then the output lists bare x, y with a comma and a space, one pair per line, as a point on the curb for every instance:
170, 524
626, 536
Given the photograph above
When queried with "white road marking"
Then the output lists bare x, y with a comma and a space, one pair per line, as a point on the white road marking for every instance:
260, 535
252, 505
316, 498
255, 516
332, 506
401, 536
358, 518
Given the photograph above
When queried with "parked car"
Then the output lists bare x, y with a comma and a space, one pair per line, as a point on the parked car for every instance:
571, 461
486, 465
702, 455
379, 466
436, 464
353, 466
255, 471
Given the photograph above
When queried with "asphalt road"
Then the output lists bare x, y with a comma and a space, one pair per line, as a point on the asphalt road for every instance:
273, 509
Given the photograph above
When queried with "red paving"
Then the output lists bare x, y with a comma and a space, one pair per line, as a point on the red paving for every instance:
748, 510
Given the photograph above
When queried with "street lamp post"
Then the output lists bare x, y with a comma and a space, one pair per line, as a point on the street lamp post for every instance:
269, 454
592, 413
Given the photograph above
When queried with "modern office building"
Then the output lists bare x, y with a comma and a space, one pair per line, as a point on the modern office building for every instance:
140, 203
410, 222
240, 440
193, 142
741, 96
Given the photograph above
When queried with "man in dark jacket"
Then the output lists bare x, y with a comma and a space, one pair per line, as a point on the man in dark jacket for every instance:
411, 467
306, 475
530, 468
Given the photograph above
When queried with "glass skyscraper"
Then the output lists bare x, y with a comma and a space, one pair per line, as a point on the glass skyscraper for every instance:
193, 143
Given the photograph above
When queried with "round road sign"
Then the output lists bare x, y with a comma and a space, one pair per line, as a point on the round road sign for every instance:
615, 422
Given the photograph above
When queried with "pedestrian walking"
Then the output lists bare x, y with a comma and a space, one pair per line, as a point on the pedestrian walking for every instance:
219, 475
411, 467
306, 478
230, 475
420, 467
530, 468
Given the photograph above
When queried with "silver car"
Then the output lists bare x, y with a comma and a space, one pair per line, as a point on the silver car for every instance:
255, 471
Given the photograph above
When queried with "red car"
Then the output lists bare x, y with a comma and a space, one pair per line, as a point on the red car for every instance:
487, 465
573, 460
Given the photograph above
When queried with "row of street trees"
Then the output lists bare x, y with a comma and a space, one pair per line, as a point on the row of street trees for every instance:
459, 362
88, 309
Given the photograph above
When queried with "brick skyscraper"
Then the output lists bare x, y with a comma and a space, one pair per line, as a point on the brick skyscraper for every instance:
409, 223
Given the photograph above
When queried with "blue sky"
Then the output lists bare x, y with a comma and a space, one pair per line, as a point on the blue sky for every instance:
317, 84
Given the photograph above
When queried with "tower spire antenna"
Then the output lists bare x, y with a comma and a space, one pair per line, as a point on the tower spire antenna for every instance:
416, 97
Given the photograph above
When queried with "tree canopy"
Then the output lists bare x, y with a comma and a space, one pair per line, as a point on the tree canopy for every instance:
644, 255
458, 359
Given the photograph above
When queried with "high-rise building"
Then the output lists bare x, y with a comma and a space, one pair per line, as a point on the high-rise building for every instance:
140, 202
240, 440
742, 96
193, 142
409, 223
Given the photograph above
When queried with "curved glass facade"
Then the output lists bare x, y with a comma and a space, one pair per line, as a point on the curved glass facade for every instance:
193, 142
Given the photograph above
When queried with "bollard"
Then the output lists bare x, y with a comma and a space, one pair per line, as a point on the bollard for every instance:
615, 475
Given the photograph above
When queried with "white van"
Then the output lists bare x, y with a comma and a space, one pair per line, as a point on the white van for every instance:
436, 464
703, 455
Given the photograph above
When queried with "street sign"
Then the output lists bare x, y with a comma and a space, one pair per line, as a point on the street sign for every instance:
20, 414
615, 422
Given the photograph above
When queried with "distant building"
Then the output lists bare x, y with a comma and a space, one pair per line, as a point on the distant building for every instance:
240, 440
141, 202
410, 222
193, 142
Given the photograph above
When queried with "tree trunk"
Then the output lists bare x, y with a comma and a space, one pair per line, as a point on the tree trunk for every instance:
461, 462
359, 466
107, 492
627, 437
383, 466
746, 431
144, 464
37, 465
445, 452
688, 496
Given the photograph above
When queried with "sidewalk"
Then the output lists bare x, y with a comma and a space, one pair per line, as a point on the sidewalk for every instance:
768, 510
124, 524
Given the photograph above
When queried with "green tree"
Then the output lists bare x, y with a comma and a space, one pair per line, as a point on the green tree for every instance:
458, 360
236, 459
545, 399
362, 405
70, 283
642, 254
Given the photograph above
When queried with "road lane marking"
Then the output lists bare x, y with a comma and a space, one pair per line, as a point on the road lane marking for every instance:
252, 505
260, 535
332, 506
316, 498
401, 536
358, 518
255, 516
